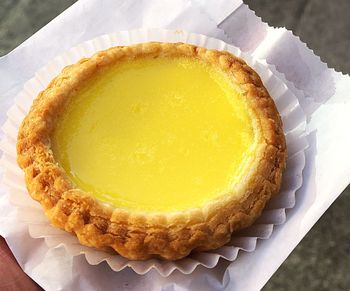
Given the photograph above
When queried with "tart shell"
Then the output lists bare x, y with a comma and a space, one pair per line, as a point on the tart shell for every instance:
138, 235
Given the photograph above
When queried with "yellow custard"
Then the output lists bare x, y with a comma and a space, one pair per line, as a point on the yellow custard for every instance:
162, 134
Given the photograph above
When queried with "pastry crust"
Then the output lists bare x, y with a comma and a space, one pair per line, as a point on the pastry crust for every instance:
137, 235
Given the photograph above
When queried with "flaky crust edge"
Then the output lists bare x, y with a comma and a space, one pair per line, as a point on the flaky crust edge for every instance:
136, 235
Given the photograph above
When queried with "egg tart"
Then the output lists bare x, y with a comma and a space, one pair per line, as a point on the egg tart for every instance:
153, 150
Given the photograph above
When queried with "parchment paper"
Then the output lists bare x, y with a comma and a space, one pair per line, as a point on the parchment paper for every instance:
322, 92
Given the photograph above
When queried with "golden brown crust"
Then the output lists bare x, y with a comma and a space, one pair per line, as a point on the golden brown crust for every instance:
138, 235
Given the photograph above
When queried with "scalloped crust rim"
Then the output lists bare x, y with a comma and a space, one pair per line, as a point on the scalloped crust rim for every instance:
136, 235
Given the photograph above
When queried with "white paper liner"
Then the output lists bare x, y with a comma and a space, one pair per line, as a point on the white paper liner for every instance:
294, 121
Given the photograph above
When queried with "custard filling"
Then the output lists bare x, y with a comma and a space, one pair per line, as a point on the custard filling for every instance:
164, 134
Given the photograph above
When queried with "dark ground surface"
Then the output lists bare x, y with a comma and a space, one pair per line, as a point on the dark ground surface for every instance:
321, 261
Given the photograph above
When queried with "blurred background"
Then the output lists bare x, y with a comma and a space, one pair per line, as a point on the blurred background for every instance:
321, 261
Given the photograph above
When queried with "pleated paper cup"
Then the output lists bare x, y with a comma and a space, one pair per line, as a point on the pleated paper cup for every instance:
30, 212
